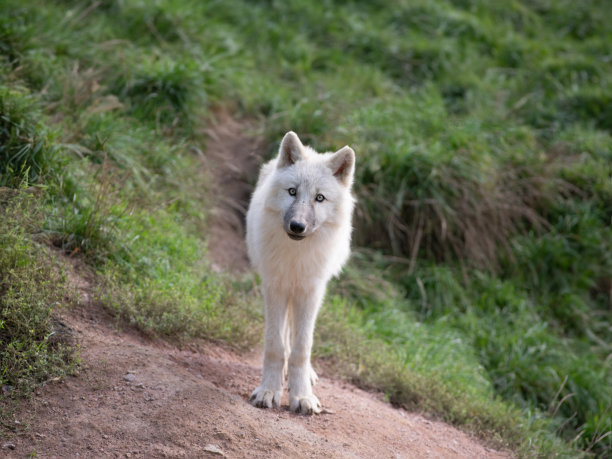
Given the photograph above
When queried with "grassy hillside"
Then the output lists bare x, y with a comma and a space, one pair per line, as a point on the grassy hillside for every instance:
480, 290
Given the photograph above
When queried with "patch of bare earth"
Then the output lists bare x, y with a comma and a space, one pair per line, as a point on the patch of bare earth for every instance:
232, 153
136, 397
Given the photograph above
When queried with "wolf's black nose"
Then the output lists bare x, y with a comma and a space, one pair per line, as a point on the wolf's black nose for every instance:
297, 227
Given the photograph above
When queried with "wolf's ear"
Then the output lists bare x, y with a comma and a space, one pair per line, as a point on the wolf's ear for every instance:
290, 150
342, 164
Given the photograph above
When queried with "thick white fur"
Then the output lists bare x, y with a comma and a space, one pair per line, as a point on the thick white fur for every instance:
294, 274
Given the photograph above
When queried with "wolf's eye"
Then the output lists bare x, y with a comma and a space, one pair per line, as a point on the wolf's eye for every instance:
320, 198
292, 191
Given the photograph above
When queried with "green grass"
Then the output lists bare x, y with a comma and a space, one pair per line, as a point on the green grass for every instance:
484, 181
428, 369
168, 289
27, 151
35, 346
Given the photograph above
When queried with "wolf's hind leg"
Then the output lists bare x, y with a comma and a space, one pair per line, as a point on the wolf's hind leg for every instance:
287, 341
314, 378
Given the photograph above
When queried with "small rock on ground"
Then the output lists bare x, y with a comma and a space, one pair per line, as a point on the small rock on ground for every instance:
214, 449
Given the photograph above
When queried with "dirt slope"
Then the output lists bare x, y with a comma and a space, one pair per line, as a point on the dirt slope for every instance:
140, 398
232, 154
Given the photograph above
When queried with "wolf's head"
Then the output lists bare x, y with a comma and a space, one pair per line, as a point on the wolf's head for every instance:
312, 190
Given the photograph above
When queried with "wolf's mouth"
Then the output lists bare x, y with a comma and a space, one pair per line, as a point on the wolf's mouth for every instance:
295, 237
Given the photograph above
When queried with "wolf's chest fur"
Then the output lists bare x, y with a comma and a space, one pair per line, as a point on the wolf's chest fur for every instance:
296, 264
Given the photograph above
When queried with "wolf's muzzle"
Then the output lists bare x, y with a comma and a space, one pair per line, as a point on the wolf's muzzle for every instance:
297, 227
295, 230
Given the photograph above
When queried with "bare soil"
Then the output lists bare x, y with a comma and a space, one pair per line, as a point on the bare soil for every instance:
137, 397
233, 155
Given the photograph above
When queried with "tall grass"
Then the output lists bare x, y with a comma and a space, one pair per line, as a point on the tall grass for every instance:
35, 345
27, 150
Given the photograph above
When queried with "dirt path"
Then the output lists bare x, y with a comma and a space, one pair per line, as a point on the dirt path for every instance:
232, 153
134, 397
138, 398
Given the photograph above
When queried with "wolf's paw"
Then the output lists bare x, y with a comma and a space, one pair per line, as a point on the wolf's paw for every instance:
263, 398
305, 405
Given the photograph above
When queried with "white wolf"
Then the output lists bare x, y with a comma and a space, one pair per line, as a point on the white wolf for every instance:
298, 236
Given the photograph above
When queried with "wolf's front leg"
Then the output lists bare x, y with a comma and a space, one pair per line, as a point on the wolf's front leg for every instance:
269, 392
301, 375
